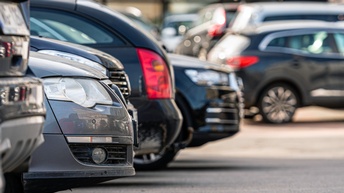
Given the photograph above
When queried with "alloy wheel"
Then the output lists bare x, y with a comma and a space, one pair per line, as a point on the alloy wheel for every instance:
278, 104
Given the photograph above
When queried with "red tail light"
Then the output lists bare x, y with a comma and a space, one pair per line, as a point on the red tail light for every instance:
6, 49
239, 62
219, 20
156, 75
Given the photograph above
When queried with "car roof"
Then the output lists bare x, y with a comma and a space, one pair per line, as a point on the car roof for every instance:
119, 22
293, 7
181, 17
292, 25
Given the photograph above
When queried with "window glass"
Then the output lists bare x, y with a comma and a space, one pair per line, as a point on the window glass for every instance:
324, 17
229, 16
339, 38
278, 42
315, 43
68, 27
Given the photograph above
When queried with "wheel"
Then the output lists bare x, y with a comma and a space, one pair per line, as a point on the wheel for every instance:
154, 161
278, 103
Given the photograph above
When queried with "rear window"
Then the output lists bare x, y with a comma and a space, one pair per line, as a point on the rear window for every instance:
238, 44
70, 27
229, 17
326, 17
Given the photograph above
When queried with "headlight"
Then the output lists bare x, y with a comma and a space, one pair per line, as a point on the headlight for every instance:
85, 92
76, 58
207, 77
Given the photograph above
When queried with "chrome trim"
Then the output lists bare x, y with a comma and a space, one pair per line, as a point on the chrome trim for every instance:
327, 93
221, 121
100, 139
221, 110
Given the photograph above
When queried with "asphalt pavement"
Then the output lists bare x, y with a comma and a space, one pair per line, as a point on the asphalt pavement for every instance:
305, 156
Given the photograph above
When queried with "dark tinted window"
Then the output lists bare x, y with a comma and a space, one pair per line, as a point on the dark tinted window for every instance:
229, 16
339, 38
278, 42
303, 17
69, 27
314, 43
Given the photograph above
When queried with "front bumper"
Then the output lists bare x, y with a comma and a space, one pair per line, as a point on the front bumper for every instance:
65, 160
159, 124
22, 115
220, 116
61, 165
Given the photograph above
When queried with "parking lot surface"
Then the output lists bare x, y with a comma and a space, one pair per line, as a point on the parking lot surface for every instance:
303, 156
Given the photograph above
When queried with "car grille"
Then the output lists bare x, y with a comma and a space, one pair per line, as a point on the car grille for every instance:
116, 154
120, 78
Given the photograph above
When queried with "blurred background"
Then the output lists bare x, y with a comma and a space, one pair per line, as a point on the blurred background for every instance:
156, 10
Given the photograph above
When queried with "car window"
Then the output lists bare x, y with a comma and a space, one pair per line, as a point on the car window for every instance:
69, 27
313, 43
229, 17
324, 17
238, 43
339, 38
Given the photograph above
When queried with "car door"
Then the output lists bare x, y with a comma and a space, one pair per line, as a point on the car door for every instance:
318, 51
336, 71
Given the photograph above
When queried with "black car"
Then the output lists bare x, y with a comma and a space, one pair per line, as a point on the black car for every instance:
88, 131
22, 111
210, 99
286, 65
211, 25
151, 75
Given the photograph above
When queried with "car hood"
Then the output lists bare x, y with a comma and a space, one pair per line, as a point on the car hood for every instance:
108, 61
42, 65
192, 62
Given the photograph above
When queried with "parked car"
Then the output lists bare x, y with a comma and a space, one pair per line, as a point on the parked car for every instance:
88, 131
286, 65
99, 60
152, 81
206, 117
259, 12
174, 28
22, 111
210, 99
211, 25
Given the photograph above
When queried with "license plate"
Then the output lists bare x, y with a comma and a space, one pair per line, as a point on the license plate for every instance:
11, 20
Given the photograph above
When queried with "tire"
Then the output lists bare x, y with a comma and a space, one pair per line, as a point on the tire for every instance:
154, 161
278, 103
14, 183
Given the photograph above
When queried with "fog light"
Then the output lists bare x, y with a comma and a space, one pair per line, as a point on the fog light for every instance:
98, 155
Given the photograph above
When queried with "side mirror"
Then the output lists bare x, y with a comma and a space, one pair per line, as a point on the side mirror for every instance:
169, 32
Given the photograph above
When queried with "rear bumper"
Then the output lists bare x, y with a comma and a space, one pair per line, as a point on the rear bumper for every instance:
159, 124
22, 116
19, 138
